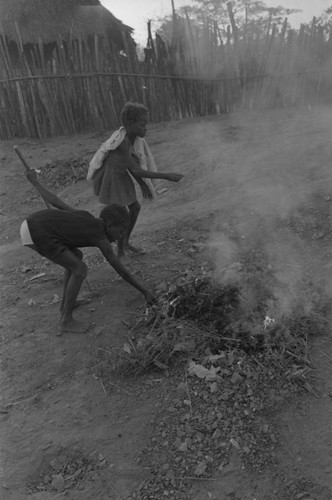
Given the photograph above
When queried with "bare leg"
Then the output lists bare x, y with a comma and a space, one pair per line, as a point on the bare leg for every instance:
77, 272
73, 279
66, 277
134, 210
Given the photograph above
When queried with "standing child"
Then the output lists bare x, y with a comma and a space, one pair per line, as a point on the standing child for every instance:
119, 159
57, 235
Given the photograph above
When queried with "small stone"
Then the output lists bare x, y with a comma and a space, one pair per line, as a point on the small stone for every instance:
200, 469
214, 387
216, 434
162, 287
182, 387
234, 443
25, 269
170, 475
318, 235
224, 396
273, 438
236, 378
58, 482
199, 436
183, 447
57, 462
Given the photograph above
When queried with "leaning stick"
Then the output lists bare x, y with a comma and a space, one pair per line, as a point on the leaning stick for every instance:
28, 168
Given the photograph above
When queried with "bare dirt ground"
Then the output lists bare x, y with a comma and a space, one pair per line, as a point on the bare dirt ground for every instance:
66, 432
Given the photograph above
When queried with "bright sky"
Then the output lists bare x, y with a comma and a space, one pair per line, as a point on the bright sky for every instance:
136, 13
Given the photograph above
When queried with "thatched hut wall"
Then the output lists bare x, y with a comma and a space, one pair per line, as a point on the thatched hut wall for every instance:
30, 24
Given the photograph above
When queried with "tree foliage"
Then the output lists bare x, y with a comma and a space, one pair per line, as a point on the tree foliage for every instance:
17, 9
252, 17
326, 17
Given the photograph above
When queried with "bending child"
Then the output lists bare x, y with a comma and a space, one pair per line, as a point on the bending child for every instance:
119, 159
58, 235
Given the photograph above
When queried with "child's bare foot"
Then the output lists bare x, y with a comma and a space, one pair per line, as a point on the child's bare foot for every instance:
132, 249
74, 326
82, 302
78, 303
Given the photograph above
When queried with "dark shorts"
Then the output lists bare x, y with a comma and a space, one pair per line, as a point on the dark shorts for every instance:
54, 250
54, 231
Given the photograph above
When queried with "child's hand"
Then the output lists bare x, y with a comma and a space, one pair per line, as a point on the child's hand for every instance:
32, 175
174, 177
146, 193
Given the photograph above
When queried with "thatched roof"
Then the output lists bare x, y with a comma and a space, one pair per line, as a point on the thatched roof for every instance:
79, 21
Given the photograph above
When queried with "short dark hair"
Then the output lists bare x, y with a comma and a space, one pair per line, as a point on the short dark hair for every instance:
131, 112
115, 215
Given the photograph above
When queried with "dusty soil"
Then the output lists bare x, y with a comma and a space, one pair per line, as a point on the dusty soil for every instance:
257, 181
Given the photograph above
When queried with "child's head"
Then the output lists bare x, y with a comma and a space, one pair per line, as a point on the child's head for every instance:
116, 219
134, 118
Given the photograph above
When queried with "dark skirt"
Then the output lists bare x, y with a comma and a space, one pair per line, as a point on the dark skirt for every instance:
112, 183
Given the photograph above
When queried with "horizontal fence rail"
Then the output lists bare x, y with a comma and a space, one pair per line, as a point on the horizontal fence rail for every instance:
83, 87
43, 106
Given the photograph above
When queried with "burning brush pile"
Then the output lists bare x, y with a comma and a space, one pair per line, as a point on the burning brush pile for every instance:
197, 315
232, 363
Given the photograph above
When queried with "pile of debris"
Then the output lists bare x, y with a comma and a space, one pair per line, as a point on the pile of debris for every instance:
67, 470
62, 173
197, 314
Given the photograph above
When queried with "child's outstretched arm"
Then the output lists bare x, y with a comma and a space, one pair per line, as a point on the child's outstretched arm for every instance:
51, 198
138, 172
106, 249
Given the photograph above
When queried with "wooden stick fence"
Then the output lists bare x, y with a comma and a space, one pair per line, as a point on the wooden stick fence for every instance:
83, 87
